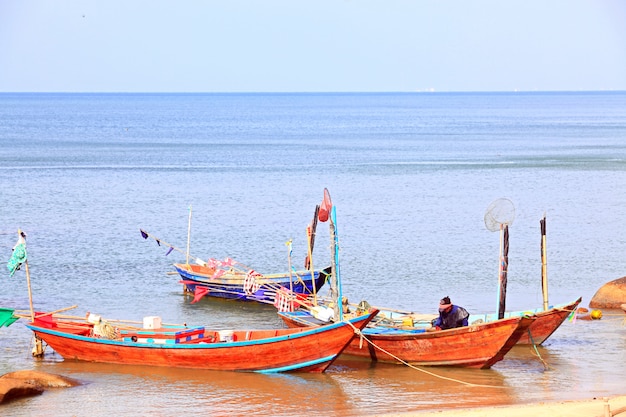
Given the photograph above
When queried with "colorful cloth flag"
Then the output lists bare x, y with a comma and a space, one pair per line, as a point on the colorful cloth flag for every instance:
17, 258
250, 283
199, 293
325, 207
282, 300
228, 262
218, 273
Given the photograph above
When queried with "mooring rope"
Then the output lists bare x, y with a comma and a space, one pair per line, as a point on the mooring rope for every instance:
530, 336
362, 336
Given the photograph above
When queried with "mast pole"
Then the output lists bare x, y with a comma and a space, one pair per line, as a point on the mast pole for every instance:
188, 236
544, 263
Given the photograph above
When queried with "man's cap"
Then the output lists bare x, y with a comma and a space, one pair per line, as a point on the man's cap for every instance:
444, 303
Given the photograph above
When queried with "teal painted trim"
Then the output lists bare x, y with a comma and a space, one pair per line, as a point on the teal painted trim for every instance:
297, 366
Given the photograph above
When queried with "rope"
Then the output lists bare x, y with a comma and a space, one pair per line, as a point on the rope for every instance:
362, 336
105, 331
530, 336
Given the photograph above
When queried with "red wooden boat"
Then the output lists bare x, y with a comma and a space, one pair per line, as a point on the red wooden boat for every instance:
266, 351
474, 346
546, 322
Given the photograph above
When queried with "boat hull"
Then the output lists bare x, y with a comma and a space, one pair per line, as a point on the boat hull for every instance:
231, 285
474, 346
545, 324
266, 351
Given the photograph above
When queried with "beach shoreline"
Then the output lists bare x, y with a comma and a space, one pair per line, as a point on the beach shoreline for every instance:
594, 407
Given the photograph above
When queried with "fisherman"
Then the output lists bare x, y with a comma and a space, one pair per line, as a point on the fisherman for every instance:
450, 315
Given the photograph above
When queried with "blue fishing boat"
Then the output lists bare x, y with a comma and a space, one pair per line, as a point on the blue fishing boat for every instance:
237, 284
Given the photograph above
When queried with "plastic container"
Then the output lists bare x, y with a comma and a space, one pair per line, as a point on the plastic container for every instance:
226, 335
152, 322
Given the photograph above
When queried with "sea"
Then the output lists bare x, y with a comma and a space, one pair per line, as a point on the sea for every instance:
415, 179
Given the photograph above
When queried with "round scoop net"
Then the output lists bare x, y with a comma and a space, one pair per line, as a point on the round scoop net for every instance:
500, 212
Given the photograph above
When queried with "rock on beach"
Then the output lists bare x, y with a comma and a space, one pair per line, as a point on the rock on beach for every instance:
611, 295
22, 384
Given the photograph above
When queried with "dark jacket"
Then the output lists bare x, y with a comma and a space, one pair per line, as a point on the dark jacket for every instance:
457, 317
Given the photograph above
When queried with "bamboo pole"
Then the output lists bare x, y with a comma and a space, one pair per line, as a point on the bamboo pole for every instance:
72, 317
188, 235
289, 265
53, 312
311, 230
38, 348
30, 293
21, 238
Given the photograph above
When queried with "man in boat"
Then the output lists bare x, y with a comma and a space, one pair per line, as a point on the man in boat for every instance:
450, 315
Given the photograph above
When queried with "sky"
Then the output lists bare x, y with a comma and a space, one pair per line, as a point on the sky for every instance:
312, 46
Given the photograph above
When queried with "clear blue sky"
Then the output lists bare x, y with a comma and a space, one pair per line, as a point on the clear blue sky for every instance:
317, 46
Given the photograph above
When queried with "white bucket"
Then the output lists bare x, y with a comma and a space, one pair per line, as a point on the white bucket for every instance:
93, 318
226, 335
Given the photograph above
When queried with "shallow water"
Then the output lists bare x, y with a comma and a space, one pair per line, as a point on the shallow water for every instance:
411, 176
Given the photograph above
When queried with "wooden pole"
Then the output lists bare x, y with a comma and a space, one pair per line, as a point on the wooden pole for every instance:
54, 312
21, 238
30, 293
504, 263
289, 265
310, 264
188, 235
38, 348
311, 230
544, 263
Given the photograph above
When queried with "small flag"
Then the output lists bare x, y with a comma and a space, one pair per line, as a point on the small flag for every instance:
169, 250
7, 317
325, 207
143, 234
158, 242
17, 258
288, 243
199, 293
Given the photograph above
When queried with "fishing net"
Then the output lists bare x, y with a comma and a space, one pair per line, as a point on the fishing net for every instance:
500, 212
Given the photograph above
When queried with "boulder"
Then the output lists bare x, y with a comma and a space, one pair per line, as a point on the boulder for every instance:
22, 384
611, 295
11, 389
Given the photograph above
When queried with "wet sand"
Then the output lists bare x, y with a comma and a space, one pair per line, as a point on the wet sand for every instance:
595, 407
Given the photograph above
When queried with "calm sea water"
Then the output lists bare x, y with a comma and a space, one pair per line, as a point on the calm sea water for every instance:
411, 176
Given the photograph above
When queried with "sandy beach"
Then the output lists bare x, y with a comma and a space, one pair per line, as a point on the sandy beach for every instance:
595, 407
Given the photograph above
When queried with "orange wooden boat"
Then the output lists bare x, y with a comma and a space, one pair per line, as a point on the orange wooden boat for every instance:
474, 346
276, 350
546, 322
